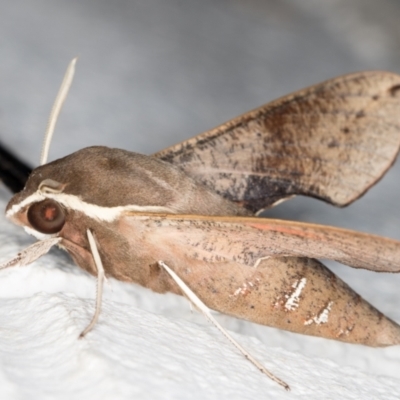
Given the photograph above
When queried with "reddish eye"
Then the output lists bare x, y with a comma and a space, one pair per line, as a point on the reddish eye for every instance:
46, 216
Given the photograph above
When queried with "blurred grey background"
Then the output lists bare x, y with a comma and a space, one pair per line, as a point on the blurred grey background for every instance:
154, 72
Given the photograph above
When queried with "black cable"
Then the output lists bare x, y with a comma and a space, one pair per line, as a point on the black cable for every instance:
13, 172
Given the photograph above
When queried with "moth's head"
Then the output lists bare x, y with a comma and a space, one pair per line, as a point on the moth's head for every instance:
98, 182
101, 183
36, 212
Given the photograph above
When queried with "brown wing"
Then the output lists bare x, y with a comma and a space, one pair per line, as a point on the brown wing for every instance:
331, 141
245, 267
247, 240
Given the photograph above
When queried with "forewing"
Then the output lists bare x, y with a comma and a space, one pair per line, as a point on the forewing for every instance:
246, 240
245, 267
331, 141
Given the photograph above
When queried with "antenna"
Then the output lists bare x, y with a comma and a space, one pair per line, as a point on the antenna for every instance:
55, 111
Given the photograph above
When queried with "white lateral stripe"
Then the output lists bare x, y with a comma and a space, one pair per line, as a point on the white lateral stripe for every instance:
38, 235
73, 202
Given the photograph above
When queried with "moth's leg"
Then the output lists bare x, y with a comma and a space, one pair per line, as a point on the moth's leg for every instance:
31, 253
100, 282
206, 312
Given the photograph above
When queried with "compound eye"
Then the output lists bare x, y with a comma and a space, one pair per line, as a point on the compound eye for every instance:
46, 216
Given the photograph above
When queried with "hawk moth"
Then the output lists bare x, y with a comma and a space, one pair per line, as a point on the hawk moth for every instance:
194, 206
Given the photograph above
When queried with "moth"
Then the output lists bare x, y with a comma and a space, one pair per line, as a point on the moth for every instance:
190, 210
